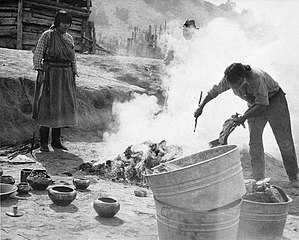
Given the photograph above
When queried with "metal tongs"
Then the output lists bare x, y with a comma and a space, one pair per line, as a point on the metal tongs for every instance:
198, 105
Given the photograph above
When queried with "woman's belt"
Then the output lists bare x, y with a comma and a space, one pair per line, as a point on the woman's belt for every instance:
58, 63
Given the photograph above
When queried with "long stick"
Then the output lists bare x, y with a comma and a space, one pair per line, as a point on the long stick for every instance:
198, 105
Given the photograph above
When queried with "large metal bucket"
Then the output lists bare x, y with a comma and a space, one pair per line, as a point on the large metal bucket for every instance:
263, 221
203, 181
181, 224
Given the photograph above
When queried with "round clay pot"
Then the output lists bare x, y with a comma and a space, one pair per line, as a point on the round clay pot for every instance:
7, 179
81, 183
39, 179
23, 188
106, 207
62, 195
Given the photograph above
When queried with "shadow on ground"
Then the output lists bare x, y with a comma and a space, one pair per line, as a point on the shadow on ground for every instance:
59, 163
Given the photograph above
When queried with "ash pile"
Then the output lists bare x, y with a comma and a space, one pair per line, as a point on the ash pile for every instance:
131, 165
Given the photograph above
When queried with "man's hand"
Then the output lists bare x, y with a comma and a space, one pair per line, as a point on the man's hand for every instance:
240, 120
198, 111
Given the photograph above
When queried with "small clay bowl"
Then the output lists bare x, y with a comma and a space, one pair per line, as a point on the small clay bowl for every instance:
7, 179
81, 183
62, 195
23, 188
106, 207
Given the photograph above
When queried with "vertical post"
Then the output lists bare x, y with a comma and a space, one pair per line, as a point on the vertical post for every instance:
20, 25
88, 6
94, 39
86, 31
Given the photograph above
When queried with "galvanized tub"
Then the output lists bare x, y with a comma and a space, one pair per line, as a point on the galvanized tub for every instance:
203, 181
181, 224
263, 221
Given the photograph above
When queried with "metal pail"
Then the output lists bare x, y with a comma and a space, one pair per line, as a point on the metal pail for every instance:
181, 224
263, 221
203, 181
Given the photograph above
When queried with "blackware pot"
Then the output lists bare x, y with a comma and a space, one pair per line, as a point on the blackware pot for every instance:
81, 183
7, 179
62, 195
23, 188
39, 179
106, 207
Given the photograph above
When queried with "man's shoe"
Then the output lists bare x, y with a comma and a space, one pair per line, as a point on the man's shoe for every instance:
44, 148
295, 183
59, 146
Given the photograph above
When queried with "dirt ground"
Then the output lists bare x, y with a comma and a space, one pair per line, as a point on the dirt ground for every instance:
135, 220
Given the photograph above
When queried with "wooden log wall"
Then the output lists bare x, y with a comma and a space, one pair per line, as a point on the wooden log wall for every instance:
23, 21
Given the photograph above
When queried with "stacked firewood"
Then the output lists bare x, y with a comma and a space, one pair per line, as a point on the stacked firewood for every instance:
11, 149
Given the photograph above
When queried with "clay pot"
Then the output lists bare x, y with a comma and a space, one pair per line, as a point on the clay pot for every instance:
7, 179
39, 179
62, 195
81, 183
23, 188
25, 172
106, 207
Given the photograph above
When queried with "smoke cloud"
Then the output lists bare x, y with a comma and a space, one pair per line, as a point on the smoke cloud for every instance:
264, 36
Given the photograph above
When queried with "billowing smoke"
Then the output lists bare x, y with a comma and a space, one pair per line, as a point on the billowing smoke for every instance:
264, 36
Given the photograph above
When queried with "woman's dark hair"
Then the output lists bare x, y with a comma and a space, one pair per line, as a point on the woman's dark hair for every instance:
236, 70
62, 17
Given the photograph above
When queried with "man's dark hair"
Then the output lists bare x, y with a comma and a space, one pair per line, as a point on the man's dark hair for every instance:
236, 70
62, 17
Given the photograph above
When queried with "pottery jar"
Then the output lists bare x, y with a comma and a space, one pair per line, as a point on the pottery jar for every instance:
7, 179
23, 188
81, 183
39, 179
106, 207
61, 195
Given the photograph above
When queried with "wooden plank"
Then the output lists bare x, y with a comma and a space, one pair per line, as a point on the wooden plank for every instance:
74, 32
30, 38
8, 28
9, 33
9, 3
7, 21
20, 25
34, 29
60, 5
38, 21
6, 42
9, 9
28, 46
8, 14
81, 13
50, 17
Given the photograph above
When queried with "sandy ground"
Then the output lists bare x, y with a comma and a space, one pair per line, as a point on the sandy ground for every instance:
135, 220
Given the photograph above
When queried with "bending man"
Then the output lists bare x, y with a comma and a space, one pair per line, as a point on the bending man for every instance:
267, 103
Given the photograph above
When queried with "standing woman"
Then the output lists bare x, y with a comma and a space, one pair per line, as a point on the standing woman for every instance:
55, 93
